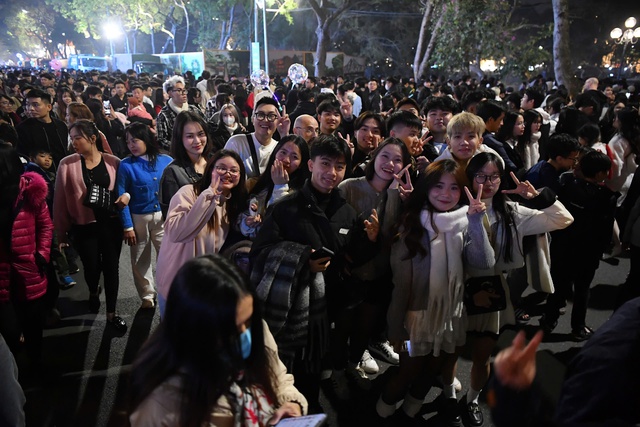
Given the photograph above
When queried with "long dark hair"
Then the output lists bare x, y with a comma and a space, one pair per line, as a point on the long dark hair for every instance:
503, 211
530, 117
412, 229
630, 127
100, 119
198, 340
506, 130
370, 168
296, 179
178, 152
238, 201
142, 132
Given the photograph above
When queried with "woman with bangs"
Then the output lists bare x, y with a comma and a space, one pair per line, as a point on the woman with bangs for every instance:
286, 172
212, 360
386, 184
201, 216
436, 242
139, 178
506, 223
229, 124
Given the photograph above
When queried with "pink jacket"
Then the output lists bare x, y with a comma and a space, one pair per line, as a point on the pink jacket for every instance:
71, 191
31, 236
187, 233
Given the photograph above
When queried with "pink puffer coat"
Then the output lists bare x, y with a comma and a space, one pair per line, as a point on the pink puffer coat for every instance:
30, 243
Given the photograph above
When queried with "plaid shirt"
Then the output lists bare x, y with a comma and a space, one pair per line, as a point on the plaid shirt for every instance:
165, 121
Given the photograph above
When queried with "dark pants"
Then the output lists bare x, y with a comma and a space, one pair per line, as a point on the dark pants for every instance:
23, 318
571, 269
99, 246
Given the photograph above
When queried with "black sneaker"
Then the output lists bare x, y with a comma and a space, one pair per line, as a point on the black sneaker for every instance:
582, 334
450, 413
73, 267
472, 413
547, 326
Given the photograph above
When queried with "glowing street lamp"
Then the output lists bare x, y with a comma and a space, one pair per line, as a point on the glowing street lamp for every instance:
111, 31
624, 37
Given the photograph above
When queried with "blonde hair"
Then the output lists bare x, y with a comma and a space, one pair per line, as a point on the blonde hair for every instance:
463, 121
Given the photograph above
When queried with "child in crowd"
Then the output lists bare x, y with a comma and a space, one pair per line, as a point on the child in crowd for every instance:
42, 162
136, 109
426, 317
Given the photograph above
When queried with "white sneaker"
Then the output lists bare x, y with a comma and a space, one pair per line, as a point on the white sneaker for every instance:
457, 385
340, 384
357, 375
368, 363
384, 351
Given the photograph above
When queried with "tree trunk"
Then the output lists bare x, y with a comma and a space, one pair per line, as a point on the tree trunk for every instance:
134, 36
325, 19
227, 28
561, 53
426, 58
321, 49
422, 40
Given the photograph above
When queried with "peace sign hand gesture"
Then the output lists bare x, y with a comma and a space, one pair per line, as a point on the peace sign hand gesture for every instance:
284, 123
523, 189
404, 188
476, 205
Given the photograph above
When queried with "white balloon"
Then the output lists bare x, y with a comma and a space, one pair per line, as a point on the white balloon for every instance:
298, 73
260, 79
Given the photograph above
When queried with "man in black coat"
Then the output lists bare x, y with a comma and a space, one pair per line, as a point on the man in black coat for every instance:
41, 132
318, 217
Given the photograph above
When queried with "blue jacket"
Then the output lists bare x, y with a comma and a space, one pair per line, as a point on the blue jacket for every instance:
136, 177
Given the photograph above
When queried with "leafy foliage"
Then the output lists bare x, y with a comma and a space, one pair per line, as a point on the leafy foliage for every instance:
484, 29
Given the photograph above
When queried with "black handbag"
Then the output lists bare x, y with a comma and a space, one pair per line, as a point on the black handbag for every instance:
490, 284
98, 197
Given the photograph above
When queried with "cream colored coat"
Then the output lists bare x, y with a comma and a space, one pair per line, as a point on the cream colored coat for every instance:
187, 233
162, 407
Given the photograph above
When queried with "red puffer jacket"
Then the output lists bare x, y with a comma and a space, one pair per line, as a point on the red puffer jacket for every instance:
30, 243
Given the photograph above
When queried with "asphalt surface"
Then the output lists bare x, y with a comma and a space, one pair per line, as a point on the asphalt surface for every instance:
84, 382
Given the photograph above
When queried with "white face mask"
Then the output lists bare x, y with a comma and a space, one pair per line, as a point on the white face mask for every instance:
229, 120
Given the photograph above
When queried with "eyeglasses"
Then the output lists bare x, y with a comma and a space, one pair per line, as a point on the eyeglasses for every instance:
309, 129
223, 171
271, 117
574, 159
481, 178
180, 91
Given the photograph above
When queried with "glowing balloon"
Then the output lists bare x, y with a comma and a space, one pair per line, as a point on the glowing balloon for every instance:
260, 79
298, 73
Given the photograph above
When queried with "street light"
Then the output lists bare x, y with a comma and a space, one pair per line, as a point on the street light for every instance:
629, 35
112, 32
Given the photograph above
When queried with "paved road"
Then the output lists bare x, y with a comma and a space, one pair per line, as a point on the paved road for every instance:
87, 365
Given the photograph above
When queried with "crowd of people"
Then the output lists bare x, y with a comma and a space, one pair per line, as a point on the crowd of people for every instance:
304, 232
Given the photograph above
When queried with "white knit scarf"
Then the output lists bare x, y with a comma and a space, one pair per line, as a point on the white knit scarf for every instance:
446, 277
176, 109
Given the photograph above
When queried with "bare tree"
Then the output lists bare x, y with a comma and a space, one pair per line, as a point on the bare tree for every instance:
326, 14
561, 54
428, 35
